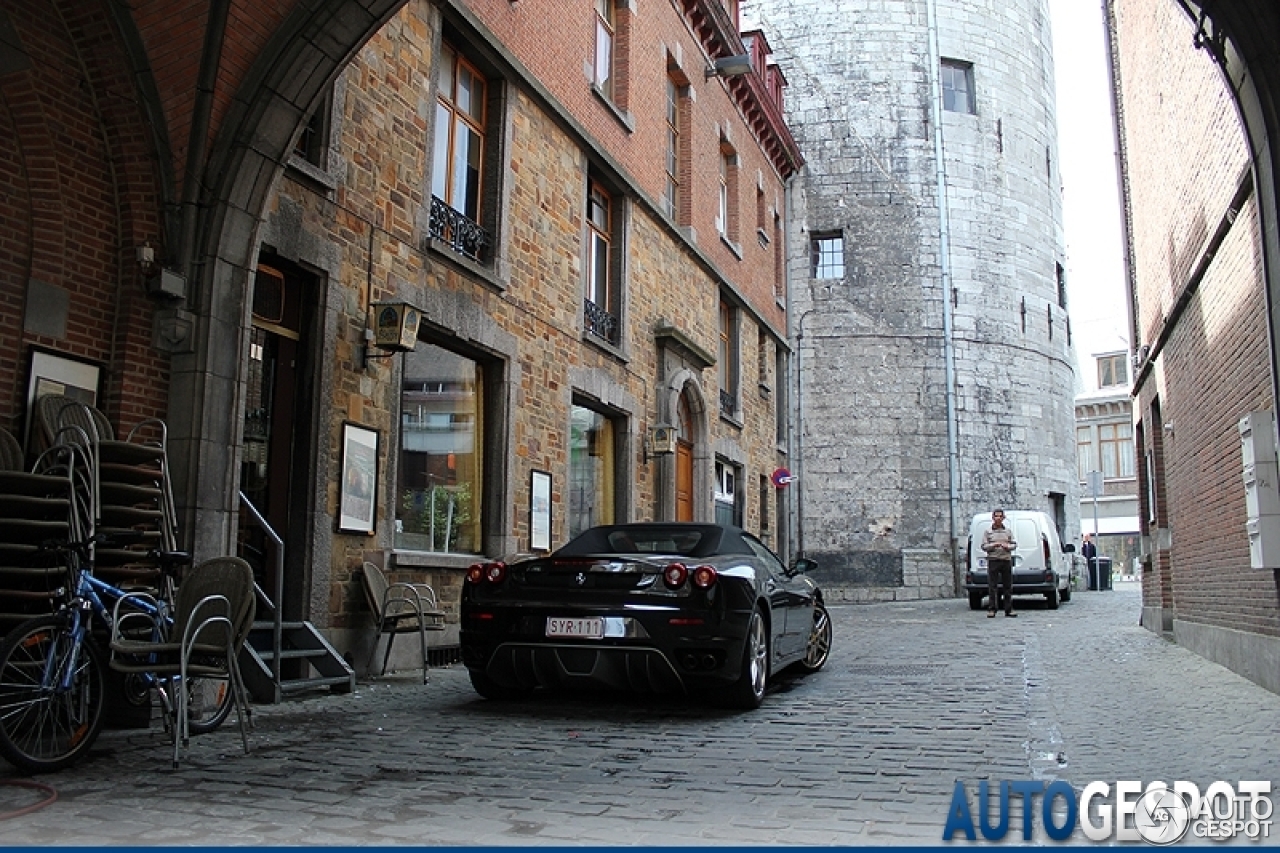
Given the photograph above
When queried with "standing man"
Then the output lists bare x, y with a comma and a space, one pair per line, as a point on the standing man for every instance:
1089, 551
998, 544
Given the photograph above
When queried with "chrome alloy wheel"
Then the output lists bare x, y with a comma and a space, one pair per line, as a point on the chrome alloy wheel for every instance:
819, 648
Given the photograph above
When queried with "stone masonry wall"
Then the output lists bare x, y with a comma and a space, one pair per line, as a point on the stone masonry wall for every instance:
876, 502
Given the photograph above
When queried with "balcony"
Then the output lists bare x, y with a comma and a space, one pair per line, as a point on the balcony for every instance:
600, 322
728, 403
457, 231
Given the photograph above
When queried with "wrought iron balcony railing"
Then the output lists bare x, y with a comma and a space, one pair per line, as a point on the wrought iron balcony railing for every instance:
600, 322
460, 233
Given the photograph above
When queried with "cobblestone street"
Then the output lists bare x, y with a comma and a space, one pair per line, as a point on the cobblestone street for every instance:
915, 697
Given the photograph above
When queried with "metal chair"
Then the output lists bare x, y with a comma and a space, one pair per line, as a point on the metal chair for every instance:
400, 608
212, 614
11, 456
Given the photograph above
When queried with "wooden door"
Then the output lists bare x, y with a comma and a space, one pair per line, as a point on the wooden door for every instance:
684, 481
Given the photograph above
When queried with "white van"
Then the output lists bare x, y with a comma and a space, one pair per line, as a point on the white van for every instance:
1041, 564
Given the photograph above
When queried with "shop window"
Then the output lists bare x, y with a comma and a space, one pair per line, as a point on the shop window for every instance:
593, 462
439, 496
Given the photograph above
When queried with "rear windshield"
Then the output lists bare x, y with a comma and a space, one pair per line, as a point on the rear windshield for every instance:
685, 540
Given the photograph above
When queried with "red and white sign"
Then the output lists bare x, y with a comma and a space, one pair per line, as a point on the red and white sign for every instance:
782, 478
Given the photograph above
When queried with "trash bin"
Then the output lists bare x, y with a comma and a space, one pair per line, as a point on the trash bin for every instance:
1100, 573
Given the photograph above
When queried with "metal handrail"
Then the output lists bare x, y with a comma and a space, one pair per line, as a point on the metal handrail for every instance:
277, 629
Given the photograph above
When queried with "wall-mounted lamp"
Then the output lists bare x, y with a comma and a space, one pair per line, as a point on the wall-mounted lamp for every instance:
395, 329
146, 258
661, 441
164, 284
730, 66
1168, 427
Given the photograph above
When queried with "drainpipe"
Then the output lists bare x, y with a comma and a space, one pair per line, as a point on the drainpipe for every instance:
198, 138
795, 436
944, 254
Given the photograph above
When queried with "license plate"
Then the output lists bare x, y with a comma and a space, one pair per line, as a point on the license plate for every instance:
588, 629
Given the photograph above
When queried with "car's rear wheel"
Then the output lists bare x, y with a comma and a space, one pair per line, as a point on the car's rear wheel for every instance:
1065, 592
748, 691
1052, 597
819, 648
490, 689
975, 601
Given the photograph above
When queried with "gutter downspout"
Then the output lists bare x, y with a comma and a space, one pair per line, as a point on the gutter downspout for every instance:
198, 137
795, 439
944, 254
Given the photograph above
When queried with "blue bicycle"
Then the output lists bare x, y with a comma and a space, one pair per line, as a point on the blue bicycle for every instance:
53, 676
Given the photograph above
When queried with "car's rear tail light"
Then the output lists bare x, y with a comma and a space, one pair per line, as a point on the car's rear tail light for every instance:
1044, 545
675, 575
704, 577
495, 572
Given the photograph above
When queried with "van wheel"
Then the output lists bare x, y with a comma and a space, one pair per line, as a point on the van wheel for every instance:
975, 601
1052, 598
1065, 593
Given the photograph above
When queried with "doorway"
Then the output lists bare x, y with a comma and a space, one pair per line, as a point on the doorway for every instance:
276, 466
684, 462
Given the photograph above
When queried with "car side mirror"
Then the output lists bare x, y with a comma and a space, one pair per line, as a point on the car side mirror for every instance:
803, 565
1068, 548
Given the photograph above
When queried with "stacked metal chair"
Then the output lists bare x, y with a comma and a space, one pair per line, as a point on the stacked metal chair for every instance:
132, 495
42, 512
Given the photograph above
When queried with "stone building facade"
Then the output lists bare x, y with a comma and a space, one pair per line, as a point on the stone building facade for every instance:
1196, 180
929, 314
587, 230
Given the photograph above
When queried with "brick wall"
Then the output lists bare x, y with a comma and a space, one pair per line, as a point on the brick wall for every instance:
81, 192
1197, 276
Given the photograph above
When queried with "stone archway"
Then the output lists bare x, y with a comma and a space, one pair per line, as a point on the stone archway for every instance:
252, 146
684, 391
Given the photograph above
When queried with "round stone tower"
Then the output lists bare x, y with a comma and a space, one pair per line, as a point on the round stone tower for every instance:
932, 345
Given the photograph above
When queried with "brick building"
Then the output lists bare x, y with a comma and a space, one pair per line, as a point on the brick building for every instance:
1197, 147
928, 295
586, 231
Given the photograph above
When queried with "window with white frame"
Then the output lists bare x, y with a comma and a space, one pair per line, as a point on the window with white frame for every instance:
604, 63
957, 87
726, 494
826, 252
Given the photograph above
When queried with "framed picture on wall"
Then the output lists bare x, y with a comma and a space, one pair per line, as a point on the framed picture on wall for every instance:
358, 488
55, 373
540, 511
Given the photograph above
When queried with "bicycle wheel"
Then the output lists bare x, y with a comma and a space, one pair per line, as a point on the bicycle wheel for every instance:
209, 702
49, 714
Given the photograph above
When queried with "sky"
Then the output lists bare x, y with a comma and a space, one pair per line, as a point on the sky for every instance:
1091, 198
